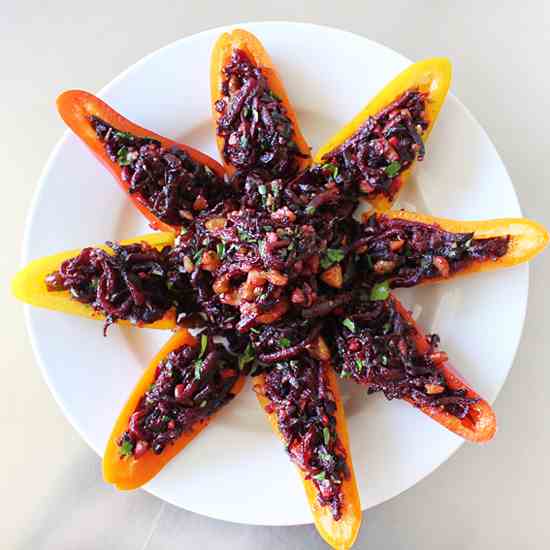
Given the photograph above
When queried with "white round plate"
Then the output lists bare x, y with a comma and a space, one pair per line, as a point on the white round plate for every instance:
237, 470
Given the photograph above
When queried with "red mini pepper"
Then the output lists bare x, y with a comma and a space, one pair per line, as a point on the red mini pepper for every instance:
76, 107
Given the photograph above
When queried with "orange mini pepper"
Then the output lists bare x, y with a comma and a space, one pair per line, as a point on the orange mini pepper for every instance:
253, 48
480, 424
128, 472
29, 285
340, 534
76, 107
432, 76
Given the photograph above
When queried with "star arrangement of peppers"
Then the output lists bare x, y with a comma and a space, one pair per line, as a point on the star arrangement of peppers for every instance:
264, 254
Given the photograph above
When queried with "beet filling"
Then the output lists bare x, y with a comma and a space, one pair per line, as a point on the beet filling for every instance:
407, 252
133, 282
254, 123
300, 396
172, 184
383, 147
376, 347
250, 265
190, 384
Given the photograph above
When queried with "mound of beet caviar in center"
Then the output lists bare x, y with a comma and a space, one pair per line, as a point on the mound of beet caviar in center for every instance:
299, 395
254, 123
172, 184
376, 347
190, 385
406, 252
282, 248
383, 147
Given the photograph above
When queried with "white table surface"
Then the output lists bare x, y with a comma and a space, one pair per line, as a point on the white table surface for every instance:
494, 496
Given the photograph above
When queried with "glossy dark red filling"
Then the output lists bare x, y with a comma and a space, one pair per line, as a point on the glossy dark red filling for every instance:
254, 123
270, 253
299, 395
173, 185
407, 252
190, 384
133, 282
376, 347
383, 147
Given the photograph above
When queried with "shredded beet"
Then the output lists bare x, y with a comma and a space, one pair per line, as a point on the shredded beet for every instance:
190, 384
375, 346
299, 394
254, 123
408, 252
173, 185
136, 282
248, 266
383, 147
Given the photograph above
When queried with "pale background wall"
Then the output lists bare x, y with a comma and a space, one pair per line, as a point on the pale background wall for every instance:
52, 495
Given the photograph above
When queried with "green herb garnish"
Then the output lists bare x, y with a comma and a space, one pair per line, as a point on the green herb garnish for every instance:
310, 210
349, 324
320, 477
284, 342
122, 156
199, 363
204, 343
126, 449
326, 435
359, 365
123, 135
332, 256
245, 236
393, 169
247, 357
220, 250
332, 168
380, 291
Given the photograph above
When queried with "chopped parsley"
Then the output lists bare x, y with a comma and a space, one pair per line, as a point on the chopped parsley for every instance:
247, 357
326, 435
123, 135
204, 343
393, 169
245, 236
380, 291
332, 256
126, 449
198, 368
122, 156
331, 168
284, 342
349, 324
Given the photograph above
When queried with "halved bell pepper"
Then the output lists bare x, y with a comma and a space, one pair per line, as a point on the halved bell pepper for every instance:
527, 238
432, 76
480, 424
76, 107
340, 534
29, 286
128, 472
250, 45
